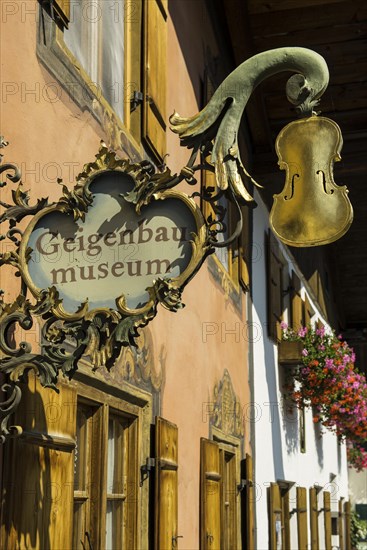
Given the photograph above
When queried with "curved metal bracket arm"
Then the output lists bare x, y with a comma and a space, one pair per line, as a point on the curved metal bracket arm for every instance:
229, 101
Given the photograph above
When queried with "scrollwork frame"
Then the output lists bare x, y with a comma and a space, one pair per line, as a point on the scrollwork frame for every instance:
99, 333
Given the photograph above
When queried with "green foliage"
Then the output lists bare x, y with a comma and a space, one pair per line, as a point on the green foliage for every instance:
358, 530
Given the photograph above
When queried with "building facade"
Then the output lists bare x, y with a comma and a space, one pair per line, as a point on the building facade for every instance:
184, 442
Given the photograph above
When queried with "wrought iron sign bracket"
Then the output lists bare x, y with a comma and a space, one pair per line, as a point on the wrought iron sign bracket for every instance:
117, 204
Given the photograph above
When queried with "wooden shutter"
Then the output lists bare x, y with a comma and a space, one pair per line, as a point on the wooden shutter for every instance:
210, 478
286, 542
308, 311
132, 484
341, 525
250, 520
327, 520
314, 517
166, 484
63, 8
38, 470
154, 127
275, 517
302, 518
296, 303
274, 295
347, 533
244, 252
59, 8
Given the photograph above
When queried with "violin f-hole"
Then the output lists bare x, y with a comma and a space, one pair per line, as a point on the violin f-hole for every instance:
286, 197
331, 191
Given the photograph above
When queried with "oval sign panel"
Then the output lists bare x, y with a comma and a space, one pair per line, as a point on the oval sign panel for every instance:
112, 251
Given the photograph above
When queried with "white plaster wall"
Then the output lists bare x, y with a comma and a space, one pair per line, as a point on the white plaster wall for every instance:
277, 445
358, 487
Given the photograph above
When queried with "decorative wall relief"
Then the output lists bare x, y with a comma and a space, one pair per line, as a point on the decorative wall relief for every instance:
227, 411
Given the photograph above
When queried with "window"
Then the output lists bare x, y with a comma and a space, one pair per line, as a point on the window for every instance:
334, 524
96, 37
94, 49
105, 478
219, 496
361, 511
78, 464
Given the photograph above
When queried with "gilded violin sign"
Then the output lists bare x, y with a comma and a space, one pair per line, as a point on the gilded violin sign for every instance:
311, 210
114, 252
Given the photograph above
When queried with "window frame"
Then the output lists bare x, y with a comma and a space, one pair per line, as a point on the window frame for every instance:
95, 39
134, 404
228, 463
231, 445
60, 62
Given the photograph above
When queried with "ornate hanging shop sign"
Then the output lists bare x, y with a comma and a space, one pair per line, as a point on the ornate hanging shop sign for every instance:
95, 265
111, 256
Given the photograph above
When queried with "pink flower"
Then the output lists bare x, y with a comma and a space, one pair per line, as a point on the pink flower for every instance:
302, 332
304, 352
283, 325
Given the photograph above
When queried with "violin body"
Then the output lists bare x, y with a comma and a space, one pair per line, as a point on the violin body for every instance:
311, 210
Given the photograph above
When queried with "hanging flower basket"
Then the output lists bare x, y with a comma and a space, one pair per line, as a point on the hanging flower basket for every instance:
328, 382
290, 353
